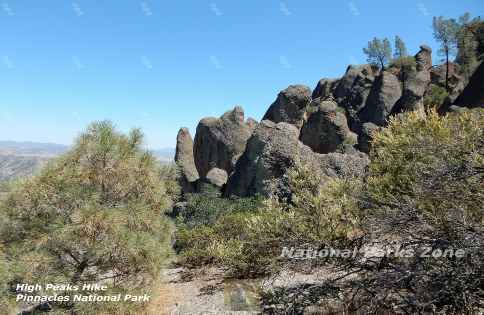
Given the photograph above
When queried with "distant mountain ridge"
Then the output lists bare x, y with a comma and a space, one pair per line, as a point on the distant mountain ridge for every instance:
22, 159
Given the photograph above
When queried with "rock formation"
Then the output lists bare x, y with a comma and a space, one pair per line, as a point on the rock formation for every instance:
290, 106
384, 94
185, 161
473, 94
219, 142
326, 130
424, 58
325, 88
366, 136
272, 150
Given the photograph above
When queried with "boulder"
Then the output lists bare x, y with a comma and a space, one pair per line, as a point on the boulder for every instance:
185, 161
353, 89
424, 58
385, 93
217, 177
290, 106
272, 150
219, 142
473, 94
366, 136
326, 130
325, 88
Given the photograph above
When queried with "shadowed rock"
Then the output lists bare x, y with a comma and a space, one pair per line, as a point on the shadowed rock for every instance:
325, 88
219, 142
384, 95
290, 106
326, 130
473, 94
366, 136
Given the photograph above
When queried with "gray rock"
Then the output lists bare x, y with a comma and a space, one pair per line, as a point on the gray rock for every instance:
272, 150
219, 142
384, 95
424, 58
413, 93
353, 89
185, 161
217, 177
325, 88
473, 94
326, 130
290, 106
366, 136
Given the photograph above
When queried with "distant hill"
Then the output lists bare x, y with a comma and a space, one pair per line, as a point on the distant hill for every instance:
165, 156
21, 159
31, 148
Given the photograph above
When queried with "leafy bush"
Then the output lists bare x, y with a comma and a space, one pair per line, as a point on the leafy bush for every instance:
96, 214
435, 97
248, 243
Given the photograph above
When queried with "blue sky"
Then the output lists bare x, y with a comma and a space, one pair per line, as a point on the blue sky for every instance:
162, 64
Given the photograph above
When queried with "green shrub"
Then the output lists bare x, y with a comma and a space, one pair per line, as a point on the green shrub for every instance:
435, 97
94, 214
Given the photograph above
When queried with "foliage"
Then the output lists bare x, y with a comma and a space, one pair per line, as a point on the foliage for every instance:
435, 97
379, 52
405, 66
416, 158
94, 214
248, 243
467, 44
400, 48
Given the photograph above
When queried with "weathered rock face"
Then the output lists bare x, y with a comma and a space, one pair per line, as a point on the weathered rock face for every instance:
366, 136
424, 58
326, 130
217, 177
272, 150
325, 88
185, 161
473, 94
384, 95
353, 89
290, 106
219, 142
456, 81
413, 93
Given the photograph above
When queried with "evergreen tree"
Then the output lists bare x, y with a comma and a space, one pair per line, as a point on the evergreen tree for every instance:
95, 214
467, 45
379, 52
445, 32
400, 48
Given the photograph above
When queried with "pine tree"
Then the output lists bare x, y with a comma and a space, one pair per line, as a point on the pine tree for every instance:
379, 52
400, 48
445, 32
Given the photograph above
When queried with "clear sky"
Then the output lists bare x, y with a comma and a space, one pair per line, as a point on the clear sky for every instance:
163, 64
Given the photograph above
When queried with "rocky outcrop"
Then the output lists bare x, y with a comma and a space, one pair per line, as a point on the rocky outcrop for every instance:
219, 142
326, 130
185, 161
325, 88
353, 89
384, 95
272, 150
424, 58
290, 106
473, 94
217, 177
